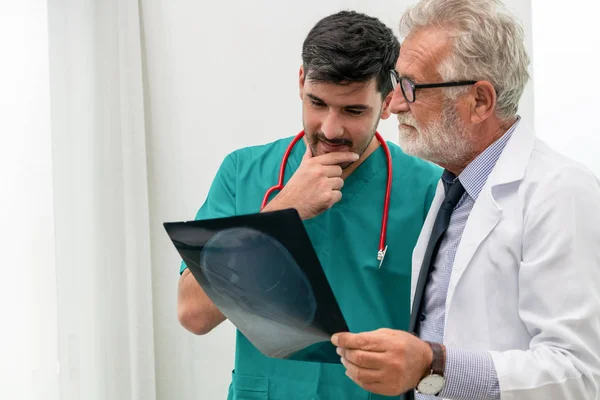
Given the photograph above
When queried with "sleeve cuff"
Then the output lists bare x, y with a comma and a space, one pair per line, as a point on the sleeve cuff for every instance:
470, 375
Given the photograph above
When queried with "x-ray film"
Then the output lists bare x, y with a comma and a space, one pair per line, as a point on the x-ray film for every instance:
263, 274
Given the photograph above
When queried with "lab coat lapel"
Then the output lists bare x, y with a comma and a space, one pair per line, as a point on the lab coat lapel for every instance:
486, 212
421, 246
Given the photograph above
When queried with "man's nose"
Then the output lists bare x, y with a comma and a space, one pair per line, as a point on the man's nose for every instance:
398, 103
332, 127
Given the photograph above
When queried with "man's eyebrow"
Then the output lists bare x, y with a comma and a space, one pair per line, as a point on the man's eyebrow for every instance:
315, 98
352, 106
358, 107
407, 76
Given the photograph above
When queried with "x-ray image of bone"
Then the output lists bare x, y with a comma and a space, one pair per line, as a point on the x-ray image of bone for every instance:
259, 287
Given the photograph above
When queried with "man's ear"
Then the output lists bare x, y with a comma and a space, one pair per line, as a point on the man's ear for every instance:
483, 101
385, 110
301, 79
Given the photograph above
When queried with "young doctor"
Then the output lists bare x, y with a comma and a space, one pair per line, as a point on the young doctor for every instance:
336, 176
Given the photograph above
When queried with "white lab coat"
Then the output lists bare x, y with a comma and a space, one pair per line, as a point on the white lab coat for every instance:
525, 283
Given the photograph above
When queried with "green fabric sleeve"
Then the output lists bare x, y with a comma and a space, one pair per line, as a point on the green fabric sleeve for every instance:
220, 201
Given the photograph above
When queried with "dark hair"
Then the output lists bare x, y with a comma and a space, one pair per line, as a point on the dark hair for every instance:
349, 47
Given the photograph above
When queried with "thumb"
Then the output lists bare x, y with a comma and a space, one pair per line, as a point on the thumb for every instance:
308, 153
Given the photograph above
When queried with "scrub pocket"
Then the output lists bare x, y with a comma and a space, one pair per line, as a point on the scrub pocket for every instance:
250, 387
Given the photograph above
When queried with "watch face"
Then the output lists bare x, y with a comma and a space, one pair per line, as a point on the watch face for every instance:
431, 384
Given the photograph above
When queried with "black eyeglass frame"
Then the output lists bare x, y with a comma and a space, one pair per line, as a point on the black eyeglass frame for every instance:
397, 80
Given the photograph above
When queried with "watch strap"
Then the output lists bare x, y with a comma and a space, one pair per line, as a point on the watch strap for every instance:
438, 365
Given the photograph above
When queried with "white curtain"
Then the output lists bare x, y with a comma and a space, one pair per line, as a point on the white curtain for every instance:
75, 274
103, 266
28, 330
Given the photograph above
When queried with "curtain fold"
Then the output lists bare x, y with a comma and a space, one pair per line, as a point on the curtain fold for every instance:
103, 266
28, 350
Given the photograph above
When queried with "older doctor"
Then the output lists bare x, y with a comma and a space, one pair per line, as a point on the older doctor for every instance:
506, 272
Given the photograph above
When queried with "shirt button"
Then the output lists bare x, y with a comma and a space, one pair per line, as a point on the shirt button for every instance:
422, 317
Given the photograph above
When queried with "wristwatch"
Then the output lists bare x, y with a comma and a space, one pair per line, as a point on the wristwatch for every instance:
433, 383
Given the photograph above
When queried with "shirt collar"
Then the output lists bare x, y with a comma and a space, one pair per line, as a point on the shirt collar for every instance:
475, 175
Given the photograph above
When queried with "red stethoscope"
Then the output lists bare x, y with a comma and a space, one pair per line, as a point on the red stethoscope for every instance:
388, 189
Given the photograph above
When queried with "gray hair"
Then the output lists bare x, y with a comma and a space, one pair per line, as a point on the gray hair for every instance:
488, 44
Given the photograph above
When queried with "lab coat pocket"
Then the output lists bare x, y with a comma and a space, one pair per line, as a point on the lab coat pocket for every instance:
250, 387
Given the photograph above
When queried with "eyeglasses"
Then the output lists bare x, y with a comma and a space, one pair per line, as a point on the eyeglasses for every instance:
409, 87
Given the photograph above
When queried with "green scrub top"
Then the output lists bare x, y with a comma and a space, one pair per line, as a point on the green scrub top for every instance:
346, 239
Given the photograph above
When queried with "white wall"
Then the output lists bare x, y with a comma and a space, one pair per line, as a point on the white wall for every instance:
28, 335
219, 76
566, 64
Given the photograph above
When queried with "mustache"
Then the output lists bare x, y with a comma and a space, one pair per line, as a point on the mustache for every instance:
407, 119
335, 142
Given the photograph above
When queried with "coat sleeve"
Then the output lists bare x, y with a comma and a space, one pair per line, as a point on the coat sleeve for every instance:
559, 293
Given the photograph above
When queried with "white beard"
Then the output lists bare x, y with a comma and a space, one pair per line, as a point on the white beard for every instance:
444, 142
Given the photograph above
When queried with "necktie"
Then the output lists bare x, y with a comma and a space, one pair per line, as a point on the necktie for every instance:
440, 226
